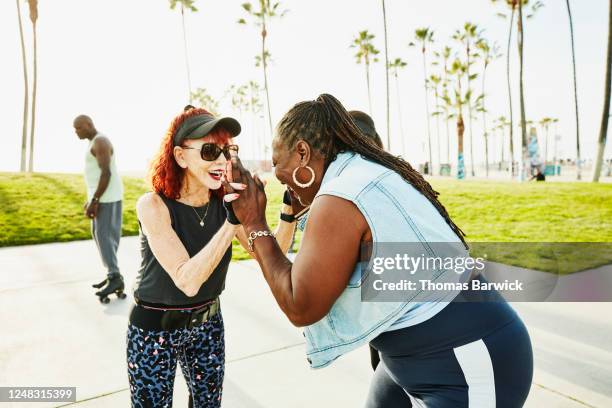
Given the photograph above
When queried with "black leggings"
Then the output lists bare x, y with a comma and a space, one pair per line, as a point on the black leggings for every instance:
469, 355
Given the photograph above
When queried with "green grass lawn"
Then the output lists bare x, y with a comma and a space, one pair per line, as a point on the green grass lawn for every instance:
40, 208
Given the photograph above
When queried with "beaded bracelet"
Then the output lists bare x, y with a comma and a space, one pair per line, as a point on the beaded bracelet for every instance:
256, 234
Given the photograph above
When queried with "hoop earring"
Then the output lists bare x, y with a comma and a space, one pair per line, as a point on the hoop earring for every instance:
307, 184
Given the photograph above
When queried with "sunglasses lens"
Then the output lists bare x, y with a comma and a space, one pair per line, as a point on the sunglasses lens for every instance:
210, 151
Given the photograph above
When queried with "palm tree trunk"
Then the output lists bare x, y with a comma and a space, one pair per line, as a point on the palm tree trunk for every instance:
446, 115
24, 130
265, 72
510, 95
387, 76
367, 70
484, 122
470, 113
33, 116
438, 127
399, 113
430, 167
571, 24
460, 162
186, 50
525, 153
447, 136
603, 132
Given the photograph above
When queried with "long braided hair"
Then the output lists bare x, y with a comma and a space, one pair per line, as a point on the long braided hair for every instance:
329, 130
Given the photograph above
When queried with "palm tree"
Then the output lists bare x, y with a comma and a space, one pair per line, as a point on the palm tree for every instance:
515, 5
468, 38
501, 124
488, 55
201, 97
189, 5
444, 57
457, 100
261, 18
521, 44
396, 65
571, 25
24, 130
424, 36
387, 75
511, 111
603, 131
366, 53
435, 82
33, 18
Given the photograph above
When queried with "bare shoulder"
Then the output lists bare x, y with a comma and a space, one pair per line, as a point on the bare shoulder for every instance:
151, 210
331, 211
102, 139
102, 142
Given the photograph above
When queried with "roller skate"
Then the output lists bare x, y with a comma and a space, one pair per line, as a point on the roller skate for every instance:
113, 285
99, 285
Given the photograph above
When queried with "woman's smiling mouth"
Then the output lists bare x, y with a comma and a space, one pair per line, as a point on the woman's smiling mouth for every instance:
216, 174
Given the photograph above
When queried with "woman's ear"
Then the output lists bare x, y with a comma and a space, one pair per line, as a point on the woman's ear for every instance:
303, 149
179, 157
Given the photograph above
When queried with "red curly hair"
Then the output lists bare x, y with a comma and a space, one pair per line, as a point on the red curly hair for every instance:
165, 175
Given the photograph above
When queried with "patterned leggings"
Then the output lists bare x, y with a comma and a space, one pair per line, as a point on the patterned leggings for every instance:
152, 356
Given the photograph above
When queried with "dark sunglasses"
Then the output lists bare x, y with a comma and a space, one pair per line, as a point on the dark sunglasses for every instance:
210, 151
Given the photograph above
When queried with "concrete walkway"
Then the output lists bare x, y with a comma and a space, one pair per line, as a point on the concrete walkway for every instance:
56, 333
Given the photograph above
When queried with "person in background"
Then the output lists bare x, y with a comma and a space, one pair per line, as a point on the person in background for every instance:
104, 201
539, 176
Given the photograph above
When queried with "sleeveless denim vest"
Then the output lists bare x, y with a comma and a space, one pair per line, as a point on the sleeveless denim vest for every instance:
395, 212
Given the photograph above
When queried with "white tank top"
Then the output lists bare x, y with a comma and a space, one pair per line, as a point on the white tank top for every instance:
114, 191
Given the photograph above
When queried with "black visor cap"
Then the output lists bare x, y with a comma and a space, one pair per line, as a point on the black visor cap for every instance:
199, 126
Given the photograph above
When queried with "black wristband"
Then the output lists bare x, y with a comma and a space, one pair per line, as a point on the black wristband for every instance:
231, 216
287, 217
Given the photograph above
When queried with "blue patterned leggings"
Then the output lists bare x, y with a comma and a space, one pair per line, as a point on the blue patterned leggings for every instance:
152, 356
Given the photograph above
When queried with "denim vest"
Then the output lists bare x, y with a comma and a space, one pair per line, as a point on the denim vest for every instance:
395, 212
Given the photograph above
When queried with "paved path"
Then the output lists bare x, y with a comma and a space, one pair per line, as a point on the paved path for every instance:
55, 332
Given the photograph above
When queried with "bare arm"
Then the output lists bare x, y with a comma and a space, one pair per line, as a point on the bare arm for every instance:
285, 230
103, 150
187, 273
306, 289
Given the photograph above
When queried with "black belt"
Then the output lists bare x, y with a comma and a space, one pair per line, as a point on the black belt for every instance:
158, 319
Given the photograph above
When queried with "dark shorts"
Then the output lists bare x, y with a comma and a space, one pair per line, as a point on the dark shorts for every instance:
468, 355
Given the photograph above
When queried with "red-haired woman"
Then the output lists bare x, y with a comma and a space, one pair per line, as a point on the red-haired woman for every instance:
187, 226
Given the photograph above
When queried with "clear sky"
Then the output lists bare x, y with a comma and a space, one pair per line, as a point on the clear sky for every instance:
122, 63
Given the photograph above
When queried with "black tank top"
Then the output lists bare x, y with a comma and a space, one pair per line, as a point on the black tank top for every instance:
153, 284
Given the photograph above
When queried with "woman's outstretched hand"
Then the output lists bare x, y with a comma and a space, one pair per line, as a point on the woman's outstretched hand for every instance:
250, 205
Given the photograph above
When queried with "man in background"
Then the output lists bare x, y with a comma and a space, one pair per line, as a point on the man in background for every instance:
104, 200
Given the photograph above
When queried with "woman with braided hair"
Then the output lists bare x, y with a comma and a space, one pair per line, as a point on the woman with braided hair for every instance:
439, 350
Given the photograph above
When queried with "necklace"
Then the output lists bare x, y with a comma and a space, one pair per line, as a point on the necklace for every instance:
204, 216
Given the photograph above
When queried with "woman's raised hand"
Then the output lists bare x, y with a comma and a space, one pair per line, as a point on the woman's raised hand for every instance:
249, 205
